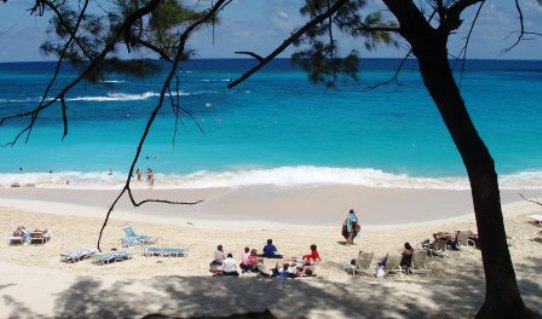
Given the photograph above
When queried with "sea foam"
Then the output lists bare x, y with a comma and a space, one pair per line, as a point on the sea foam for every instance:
282, 177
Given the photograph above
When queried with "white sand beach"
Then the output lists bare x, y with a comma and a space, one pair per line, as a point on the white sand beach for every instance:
34, 283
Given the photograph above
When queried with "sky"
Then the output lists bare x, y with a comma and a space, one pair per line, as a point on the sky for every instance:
261, 25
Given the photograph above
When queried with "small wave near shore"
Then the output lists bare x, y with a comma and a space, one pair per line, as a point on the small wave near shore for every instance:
296, 176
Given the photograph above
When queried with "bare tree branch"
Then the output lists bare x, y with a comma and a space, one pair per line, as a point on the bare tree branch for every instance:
296, 35
465, 47
396, 75
376, 29
530, 200
252, 54
521, 29
90, 67
454, 12
165, 87
7, 30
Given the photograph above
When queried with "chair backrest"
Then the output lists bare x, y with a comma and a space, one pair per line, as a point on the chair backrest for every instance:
463, 237
364, 260
393, 262
418, 259
129, 231
440, 244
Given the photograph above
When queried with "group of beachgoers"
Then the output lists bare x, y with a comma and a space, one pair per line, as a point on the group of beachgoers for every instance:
149, 176
25, 235
224, 264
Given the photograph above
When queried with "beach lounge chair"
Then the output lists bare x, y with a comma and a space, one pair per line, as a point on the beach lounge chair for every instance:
536, 219
133, 239
77, 255
362, 264
15, 240
111, 257
39, 237
419, 263
165, 252
393, 264
463, 239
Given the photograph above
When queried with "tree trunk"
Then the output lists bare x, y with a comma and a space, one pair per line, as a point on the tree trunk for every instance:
429, 45
502, 299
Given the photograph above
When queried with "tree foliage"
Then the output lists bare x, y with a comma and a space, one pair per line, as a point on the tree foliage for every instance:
94, 42
322, 60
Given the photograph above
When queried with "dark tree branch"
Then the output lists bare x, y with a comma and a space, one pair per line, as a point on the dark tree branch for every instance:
252, 54
295, 36
441, 12
396, 75
133, 18
64, 117
163, 54
165, 87
7, 30
521, 29
54, 7
530, 200
465, 47
91, 66
376, 29
454, 12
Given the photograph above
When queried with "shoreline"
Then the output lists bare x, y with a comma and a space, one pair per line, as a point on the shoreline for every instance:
308, 206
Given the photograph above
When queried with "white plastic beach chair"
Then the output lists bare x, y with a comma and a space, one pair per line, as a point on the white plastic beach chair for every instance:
362, 264
536, 219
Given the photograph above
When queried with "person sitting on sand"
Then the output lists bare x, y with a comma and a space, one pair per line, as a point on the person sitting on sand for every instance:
270, 250
450, 239
245, 255
255, 264
219, 257
229, 267
306, 270
282, 272
314, 255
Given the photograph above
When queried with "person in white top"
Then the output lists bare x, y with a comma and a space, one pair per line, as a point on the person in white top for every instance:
219, 257
229, 266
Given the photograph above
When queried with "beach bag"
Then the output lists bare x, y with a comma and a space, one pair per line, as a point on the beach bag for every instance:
380, 272
344, 232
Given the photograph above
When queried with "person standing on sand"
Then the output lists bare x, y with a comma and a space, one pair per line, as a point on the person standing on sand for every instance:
138, 175
351, 227
150, 177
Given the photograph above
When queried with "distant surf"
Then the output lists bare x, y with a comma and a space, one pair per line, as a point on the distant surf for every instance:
299, 176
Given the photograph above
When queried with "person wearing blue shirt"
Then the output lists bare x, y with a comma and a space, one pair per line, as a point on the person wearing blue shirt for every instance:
270, 251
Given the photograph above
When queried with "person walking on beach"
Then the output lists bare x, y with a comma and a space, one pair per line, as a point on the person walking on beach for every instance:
138, 175
351, 227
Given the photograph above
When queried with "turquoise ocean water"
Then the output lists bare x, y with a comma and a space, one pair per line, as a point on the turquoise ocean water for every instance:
276, 128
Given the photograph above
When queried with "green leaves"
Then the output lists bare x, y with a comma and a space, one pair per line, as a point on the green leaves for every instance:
81, 38
321, 60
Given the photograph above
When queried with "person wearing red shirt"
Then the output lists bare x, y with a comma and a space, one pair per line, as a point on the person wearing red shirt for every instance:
314, 256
